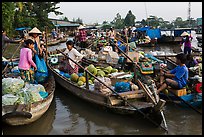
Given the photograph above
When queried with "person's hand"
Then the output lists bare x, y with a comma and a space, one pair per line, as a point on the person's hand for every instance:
162, 73
35, 68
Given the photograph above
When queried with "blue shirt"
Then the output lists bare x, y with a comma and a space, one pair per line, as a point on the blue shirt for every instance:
181, 75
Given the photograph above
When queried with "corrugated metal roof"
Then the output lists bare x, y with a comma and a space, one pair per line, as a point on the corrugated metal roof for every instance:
67, 25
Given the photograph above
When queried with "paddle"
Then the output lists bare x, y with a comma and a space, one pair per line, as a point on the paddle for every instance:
146, 116
11, 58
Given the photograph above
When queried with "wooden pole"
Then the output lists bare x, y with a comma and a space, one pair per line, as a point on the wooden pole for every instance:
46, 57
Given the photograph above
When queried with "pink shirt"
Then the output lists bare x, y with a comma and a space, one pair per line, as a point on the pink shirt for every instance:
26, 59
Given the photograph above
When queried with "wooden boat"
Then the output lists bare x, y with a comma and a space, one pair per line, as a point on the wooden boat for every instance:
112, 102
194, 98
199, 38
53, 42
63, 39
23, 114
174, 37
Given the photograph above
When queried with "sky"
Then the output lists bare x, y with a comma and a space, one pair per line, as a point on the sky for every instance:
97, 12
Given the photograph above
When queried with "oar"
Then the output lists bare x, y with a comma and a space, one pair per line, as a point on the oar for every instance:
146, 116
11, 58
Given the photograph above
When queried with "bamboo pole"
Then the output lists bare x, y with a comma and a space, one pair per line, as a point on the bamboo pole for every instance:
46, 57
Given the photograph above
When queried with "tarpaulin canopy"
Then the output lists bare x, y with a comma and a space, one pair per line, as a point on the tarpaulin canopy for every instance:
142, 29
154, 33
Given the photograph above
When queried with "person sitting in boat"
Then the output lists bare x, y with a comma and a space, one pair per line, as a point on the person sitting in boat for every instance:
190, 62
177, 77
26, 62
70, 66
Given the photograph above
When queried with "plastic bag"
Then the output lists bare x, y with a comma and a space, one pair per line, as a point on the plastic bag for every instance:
42, 71
12, 85
122, 86
9, 99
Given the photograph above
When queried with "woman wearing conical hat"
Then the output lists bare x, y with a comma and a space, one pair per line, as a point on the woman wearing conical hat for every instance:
34, 33
42, 71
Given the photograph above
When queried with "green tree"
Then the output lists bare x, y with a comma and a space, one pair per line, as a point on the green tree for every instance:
27, 14
129, 19
106, 25
8, 16
118, 22
64, 18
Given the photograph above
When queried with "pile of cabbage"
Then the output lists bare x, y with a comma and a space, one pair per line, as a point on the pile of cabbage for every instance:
16, 91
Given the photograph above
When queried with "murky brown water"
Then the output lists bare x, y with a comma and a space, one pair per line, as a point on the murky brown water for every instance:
68, 115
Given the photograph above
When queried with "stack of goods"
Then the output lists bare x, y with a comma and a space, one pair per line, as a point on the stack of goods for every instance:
121, 77
98, 86
146, 68
15, 91
112, 57
103, 53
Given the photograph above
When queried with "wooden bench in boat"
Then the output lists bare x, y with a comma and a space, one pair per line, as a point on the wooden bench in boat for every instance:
116, 100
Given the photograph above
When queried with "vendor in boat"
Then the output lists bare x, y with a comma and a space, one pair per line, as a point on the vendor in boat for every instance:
82, 37
6, 39
34, 34
70, 66
190, 62
25, 62
177, 77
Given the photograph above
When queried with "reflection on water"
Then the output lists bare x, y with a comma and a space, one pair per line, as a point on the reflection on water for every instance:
68, 115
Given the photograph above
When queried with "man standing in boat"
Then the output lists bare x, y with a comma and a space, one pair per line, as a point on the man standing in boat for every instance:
70, 66
82, 36
6, 39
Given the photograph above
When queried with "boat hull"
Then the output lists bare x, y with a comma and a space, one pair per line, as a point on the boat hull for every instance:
23, 114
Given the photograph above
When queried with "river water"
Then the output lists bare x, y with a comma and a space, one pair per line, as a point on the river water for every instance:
68, 115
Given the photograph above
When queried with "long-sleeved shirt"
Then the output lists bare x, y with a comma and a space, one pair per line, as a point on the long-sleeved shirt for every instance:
75, 55
26, 61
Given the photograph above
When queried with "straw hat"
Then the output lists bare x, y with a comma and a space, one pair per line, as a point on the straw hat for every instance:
81, 27
35, 30
185, 34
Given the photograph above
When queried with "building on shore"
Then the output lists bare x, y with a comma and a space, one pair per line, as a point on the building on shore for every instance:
67, 27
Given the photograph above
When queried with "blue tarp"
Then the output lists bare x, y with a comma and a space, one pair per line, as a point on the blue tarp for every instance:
142, 29
154, 33
23, 28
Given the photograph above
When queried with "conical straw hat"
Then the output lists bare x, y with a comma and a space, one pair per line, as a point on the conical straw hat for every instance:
81, 27
35, 30
185, 34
